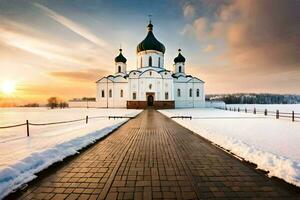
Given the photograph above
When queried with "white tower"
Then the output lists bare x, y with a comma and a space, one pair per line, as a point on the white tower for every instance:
150, 52
120, 63
179, 63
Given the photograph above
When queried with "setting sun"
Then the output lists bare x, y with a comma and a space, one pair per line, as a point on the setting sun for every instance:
8, 87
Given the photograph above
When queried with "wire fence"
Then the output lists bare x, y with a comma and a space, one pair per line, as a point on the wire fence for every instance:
86, 119
277, 114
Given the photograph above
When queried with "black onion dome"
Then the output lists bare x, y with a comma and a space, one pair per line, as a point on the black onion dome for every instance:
150, 42
179, 58
120, 57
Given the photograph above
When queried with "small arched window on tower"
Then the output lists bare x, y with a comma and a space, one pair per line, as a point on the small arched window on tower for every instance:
159, 62
150, 61
191, 92
197, 92
121, 93
178, 92
141, 64
179, 69
110, 93
119, 69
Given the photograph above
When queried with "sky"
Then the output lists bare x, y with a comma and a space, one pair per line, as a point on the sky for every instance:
61, 47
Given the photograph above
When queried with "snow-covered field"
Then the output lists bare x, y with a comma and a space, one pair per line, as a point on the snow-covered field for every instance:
274, 145
21, 156
271, 107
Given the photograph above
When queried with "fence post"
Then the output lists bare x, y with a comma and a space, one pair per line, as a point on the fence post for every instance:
266, 112
254, 111
238, 109
293, 116
27, 126
245, 110
277, 114
86, 119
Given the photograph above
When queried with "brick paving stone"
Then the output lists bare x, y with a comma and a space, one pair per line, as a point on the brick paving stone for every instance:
152, 157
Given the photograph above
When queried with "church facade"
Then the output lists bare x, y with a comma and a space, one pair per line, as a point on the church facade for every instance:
150, 85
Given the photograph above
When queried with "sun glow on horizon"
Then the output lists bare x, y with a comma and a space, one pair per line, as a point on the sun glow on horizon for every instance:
8, 87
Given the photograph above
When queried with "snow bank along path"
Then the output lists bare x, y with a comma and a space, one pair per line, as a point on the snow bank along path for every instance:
271, 144
22, 157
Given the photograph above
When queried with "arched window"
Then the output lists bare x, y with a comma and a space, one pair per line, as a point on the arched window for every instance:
121, 93
198, 92
119, 69
141, 64
166, 95
110, 93
150, 61
191, 92
179, 69
158, 61
134, 95
102, 94
178, 92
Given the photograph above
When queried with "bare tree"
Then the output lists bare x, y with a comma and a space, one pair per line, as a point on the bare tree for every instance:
52, 102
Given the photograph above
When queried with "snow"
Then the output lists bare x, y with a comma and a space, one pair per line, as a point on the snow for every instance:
22, 157
271, 144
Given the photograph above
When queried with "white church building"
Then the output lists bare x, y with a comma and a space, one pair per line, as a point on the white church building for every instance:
150, 84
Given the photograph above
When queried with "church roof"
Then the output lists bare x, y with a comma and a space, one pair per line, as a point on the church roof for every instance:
120, 57
179, 58
150, 42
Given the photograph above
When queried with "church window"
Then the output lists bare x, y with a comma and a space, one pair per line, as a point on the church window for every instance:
110, 93
150, 73
150, 61
119, 69
198, 92
102, 94
150, 86
191, 92
179, 69
141, 62
121, 93
134, 96
159, 62
166, 95
178, 92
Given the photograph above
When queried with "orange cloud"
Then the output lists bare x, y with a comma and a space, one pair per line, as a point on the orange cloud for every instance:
86, 75
208, 48
262, 43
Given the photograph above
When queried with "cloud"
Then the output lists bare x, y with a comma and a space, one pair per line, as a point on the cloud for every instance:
189, 11
259, 36
265, 33
73, 26
198, 28
208, 48
83, 75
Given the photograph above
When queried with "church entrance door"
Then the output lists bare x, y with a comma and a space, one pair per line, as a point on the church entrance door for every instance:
150, 99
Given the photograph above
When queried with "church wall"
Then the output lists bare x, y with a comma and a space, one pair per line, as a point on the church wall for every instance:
115, 101
185, 100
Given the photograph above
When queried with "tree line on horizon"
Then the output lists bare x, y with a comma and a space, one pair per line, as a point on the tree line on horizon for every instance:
252, 98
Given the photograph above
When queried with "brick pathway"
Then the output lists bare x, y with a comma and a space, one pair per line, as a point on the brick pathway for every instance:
152, 157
